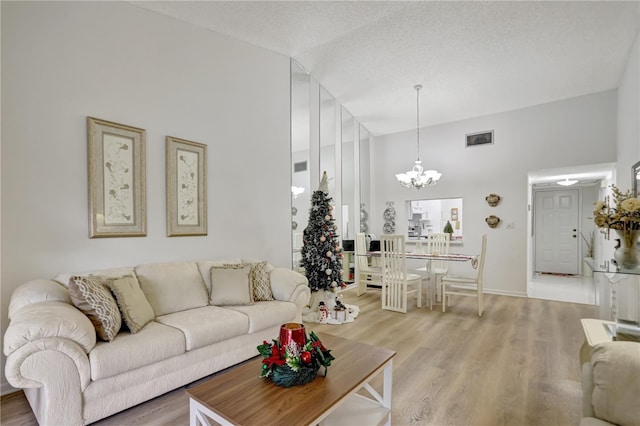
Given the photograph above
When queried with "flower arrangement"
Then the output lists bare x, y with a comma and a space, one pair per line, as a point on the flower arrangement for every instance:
294, 362
624, 217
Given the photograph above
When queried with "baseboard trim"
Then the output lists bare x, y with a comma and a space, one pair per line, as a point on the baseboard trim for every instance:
505, 293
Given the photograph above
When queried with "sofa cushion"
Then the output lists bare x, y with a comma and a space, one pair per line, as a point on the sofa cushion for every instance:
267, 314
105, 273
204, 326
204, 266
91, 295
230, 285
134, 307
155, 342
172, 287
616, 381
260, 282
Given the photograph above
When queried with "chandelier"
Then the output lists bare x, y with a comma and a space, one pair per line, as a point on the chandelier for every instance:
418, 177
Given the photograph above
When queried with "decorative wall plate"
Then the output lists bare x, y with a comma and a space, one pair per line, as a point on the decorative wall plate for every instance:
493, 199
492, 221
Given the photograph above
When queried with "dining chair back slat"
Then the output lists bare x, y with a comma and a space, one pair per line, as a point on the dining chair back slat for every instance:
395, 280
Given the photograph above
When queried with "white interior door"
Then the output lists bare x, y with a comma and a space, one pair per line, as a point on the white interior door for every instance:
556, 230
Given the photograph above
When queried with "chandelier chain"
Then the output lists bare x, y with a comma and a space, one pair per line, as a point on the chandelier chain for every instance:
418, 87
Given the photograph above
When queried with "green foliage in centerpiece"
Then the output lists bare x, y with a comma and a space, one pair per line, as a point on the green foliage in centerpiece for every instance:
293, 365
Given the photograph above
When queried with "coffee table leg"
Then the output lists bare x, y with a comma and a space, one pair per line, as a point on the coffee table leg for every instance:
200, 415
385, 399
387, 384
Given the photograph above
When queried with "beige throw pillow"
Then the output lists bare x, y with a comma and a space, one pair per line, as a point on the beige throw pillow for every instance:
260, 282
91, 295
134, 306
230, 285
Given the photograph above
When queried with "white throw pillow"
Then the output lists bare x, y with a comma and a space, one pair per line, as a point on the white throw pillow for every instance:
231, 285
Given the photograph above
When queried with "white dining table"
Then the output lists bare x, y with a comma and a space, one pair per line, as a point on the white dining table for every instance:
448, 257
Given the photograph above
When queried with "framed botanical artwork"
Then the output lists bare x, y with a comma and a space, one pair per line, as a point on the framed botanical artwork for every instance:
480, 138
116, 160
186, 188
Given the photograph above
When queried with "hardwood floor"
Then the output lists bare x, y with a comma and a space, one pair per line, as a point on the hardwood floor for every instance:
516, 365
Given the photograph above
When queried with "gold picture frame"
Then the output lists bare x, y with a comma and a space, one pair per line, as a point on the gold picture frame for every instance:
186, 187
116, 171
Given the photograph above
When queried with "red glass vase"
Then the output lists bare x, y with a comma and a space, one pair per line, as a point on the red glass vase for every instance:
292, 332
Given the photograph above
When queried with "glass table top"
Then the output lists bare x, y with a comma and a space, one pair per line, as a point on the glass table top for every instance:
609, 266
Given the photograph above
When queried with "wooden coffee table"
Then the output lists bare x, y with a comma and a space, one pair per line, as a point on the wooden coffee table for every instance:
241, 397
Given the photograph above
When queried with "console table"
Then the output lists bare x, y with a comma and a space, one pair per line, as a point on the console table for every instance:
618, 293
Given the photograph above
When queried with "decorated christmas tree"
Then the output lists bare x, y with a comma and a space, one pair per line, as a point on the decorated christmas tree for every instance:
321, 257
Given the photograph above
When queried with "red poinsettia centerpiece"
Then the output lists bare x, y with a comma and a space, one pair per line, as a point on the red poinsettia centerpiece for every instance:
294, 362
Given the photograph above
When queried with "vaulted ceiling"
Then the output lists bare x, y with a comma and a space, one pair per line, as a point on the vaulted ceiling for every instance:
472, 58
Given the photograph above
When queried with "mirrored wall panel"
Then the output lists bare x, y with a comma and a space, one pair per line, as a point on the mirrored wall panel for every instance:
328, 138
349, 210
365, 178
300, 157
432, 216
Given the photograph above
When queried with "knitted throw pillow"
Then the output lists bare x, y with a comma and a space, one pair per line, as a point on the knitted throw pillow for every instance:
260, 282
91, 295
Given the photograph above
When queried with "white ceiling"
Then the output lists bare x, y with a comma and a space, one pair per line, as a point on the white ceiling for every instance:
472, 58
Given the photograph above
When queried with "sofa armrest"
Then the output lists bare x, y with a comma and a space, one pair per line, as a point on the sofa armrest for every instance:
37, 291
587, 390
58, 370
615, 373
290, 286
46, 320
285, 283
48, 362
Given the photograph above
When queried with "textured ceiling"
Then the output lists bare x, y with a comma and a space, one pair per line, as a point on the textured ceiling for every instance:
472, 58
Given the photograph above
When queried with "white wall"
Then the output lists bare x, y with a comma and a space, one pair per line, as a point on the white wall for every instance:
628, 145
572, 132
64, 61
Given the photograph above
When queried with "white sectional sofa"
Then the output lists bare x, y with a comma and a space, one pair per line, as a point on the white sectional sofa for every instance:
197, 327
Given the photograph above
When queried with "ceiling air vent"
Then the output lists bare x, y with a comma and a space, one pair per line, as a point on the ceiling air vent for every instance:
300, 167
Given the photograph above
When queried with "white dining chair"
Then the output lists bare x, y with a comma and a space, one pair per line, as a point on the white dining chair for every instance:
466, 286
367, 274
438, 244
396, 282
